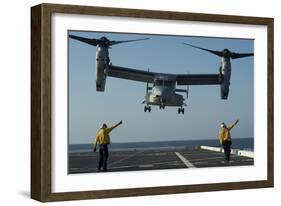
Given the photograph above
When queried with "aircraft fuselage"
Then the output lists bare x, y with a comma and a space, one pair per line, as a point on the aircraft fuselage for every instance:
163, 93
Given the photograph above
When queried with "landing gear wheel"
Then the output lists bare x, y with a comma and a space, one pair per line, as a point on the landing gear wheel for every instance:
147, 108
180, 110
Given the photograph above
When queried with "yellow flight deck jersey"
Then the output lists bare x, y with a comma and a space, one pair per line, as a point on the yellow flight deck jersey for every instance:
225, 133
102, 136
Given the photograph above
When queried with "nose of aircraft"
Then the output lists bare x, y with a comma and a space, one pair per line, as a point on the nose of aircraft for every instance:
162, 93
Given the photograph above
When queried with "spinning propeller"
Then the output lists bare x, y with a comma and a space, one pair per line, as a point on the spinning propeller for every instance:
224, 53
103, 41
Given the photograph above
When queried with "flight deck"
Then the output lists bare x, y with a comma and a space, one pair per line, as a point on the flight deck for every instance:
136, 160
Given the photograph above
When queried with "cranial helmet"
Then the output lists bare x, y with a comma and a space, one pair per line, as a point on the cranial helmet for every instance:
103, 125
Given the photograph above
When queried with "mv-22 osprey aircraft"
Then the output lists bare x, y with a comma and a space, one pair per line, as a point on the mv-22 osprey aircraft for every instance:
163, 91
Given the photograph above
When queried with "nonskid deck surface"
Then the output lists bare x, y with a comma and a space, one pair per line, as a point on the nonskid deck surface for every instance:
153, 160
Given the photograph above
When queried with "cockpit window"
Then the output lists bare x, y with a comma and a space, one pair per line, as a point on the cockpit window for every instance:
158, 82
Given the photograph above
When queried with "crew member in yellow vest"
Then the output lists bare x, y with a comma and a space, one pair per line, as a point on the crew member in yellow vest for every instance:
102, 140
225, 138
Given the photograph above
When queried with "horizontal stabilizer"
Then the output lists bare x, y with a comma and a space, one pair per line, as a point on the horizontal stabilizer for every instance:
198, 79
181, 90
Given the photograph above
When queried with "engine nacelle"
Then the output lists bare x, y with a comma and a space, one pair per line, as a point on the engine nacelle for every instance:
101, 78
225, 72
224, 90
102, 64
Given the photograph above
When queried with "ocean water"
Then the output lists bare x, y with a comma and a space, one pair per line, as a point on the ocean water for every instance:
242, 143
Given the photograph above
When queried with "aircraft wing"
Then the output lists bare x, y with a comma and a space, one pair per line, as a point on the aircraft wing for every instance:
130, 74
198, 79
146, 76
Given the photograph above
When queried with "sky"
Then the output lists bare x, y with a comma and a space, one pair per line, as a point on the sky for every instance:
122, 99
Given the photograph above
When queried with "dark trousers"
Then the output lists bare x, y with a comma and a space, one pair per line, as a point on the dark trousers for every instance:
227, 149
103, 156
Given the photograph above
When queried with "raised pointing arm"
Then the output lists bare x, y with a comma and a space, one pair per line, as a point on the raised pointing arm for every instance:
233, 125
113, 127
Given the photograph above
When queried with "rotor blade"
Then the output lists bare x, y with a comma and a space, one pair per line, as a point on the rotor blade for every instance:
240, 55
119, 42
93, 42
218, 53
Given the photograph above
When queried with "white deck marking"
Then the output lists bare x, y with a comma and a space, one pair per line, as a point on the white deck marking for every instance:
200, 163
123, 159
185, 161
